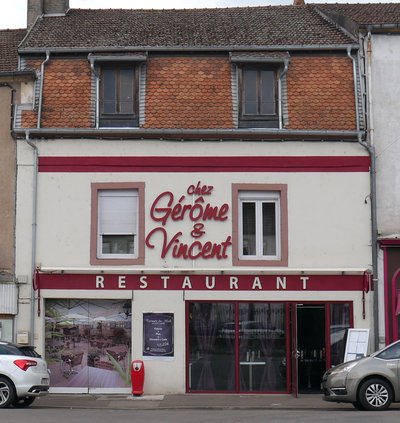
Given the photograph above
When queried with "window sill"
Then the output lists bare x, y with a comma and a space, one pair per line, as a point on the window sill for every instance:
260, 262
95, 261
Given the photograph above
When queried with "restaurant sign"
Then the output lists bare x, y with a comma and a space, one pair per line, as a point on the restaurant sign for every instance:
219, 282
167, 208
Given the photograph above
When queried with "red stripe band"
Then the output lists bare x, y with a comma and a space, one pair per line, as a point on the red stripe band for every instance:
206, 164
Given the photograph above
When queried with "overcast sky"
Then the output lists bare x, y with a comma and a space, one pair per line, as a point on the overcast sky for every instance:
13, 13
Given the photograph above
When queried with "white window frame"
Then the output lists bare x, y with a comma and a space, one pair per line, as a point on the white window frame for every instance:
260, 197
118, 193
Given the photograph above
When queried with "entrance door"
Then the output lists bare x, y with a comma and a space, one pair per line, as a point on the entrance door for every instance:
88, 345
311, 347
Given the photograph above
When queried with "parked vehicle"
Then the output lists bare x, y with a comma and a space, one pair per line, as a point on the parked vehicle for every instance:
23, 375
369, 383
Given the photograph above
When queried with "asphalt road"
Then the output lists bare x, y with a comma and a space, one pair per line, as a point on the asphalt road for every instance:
37, 415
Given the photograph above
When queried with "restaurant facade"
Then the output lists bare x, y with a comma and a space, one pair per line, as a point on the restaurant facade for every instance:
222, 238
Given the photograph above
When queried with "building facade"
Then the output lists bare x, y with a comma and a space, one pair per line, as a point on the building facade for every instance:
377, 29
12, 88
197, 185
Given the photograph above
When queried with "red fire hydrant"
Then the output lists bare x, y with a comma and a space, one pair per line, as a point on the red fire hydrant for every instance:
137, 377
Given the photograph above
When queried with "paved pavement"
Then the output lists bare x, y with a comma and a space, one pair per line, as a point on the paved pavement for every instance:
188, 401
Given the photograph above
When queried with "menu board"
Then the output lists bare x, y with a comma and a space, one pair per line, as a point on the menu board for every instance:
357, 344
158, 334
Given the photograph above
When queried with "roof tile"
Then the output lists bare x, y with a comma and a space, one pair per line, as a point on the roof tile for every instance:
220, 27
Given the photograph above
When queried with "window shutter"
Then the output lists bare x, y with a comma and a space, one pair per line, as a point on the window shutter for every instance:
118, 212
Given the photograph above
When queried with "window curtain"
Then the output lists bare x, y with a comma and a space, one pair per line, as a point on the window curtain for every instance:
205, 327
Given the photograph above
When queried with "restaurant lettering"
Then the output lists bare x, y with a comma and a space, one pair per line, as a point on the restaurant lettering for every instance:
197, 282
166, 208
200, 282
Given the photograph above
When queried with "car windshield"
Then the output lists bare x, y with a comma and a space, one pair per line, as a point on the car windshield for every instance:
390, 353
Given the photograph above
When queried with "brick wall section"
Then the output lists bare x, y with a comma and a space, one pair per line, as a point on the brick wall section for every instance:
188, 92
196, 92
66, 94
321, 93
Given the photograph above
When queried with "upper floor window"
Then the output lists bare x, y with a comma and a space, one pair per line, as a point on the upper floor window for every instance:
260, 224
258, 91
117, 223
119, 100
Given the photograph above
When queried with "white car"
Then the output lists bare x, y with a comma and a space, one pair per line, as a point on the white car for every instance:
23, 375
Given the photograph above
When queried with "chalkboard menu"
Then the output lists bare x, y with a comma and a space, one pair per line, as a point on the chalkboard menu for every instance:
158, 334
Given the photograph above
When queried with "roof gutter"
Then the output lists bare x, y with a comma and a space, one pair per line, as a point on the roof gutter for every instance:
184, 134
87, 50
382, 27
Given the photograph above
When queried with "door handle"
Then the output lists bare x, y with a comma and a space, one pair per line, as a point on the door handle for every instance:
296, 354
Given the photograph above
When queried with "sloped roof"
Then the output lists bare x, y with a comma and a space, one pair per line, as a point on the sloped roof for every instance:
9, 41
365, 13
185, 28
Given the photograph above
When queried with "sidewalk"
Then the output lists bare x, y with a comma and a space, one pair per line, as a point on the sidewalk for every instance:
188, 401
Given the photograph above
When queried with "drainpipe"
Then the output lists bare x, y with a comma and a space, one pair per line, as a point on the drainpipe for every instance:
369, 146
355, 86
39, 119
34, 227
284, 72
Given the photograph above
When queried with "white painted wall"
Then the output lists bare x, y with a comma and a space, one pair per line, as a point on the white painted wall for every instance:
327, 213
386, 129
328, 229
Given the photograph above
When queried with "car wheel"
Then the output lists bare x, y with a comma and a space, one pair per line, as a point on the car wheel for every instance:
375, 395
23, 402
7, 392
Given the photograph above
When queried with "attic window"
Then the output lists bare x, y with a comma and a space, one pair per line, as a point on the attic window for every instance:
258, 90
118, 100
119, 84
259, 87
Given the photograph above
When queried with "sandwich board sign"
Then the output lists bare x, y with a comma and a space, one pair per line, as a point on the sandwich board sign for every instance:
357, 344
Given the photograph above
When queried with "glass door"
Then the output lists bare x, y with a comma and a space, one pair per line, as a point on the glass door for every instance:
236, 347
294, 352
87, 345
311, 346
212, 345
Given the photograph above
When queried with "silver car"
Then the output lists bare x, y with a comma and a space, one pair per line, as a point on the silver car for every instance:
23, 375
369, 383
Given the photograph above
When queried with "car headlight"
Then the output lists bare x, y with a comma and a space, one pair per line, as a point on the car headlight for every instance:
344, 368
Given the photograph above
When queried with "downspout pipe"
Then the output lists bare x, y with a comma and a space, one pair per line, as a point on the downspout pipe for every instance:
39, 118
355, 86
34, 226
374, 219
374, 239
370, 146
284, 72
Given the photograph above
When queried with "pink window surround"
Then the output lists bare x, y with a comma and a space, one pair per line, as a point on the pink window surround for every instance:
96, 187
282, 189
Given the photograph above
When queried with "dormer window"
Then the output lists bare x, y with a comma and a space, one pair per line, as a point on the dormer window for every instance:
119, 78
260, 88
118, 102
